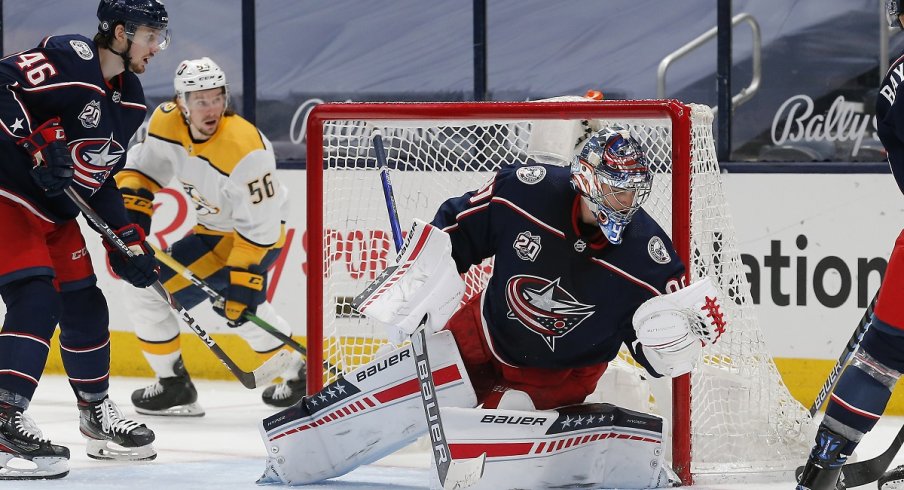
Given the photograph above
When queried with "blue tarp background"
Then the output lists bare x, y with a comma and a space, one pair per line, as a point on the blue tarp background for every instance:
422, 50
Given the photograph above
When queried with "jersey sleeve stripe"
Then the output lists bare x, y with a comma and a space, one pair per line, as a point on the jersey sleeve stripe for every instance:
529, 216
133, 105
627, 276
55, 86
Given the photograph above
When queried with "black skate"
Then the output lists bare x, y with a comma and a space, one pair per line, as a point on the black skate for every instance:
112, 436
892, 479
24, 454
175, 396
823, 469
287, 393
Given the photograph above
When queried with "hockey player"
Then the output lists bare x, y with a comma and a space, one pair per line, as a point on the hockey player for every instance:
228, 169
68, 109
863, 390
579, 270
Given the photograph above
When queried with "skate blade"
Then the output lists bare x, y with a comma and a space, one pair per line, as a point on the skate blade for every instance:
38, 468
190, 410
110, 451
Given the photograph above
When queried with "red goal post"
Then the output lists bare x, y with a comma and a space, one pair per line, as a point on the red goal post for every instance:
432, 145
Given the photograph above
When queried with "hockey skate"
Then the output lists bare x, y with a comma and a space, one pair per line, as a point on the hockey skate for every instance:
287, 393
112, 436
823, 469
174, 396
892, 479
24, 453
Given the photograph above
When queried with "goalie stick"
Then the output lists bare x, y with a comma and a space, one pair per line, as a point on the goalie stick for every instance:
265, 373
460, 473
185, 272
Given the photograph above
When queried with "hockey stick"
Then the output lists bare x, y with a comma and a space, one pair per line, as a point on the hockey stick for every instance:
460, 473
168, 260
852, 344
265, 373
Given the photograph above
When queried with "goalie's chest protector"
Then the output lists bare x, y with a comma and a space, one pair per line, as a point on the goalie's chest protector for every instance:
560, 296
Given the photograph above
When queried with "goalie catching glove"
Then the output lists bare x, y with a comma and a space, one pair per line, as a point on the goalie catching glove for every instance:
423, 280
673, 328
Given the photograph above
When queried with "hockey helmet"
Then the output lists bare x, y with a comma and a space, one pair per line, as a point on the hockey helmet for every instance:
613, 174
894, 8
133, 14
199, 74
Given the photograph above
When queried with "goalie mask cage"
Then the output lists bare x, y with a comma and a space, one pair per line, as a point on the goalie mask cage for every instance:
731, 416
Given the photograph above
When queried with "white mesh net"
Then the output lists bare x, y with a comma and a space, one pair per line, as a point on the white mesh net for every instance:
743, 419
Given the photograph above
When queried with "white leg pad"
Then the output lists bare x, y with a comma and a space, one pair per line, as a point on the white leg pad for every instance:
369, 413
596, 445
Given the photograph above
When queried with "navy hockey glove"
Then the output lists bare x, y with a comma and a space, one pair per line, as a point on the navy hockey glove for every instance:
141, 270
139, 206
245, 292
52, 169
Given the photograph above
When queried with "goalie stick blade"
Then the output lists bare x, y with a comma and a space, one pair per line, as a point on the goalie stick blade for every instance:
464, 472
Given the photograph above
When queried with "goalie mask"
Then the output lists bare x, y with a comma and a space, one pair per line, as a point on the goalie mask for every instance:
612, 173
893, 9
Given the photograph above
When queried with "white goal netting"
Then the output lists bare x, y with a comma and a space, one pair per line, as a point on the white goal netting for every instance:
742, 417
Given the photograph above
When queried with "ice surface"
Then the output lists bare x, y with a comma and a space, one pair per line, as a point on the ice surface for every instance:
223, 449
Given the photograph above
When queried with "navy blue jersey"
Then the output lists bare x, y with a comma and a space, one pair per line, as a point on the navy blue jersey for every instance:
890, 119
62, 77
560, 295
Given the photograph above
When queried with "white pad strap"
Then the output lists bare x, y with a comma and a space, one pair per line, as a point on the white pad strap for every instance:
590, 445
366, 415
423, 280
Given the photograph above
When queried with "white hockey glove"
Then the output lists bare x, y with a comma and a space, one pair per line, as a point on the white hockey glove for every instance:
673, 328
423, 280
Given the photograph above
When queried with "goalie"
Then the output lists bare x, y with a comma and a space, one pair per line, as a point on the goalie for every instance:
580, 269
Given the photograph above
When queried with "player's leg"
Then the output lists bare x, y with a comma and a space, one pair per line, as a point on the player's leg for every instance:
85, 351
466, 326
212, 268
294, 379
863, 391
157, 329
33, 309
367, 414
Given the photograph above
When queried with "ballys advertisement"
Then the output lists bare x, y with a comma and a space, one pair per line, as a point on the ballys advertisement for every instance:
814, 249
843, 122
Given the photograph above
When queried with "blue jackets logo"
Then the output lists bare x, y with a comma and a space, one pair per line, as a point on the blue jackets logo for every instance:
94, 159
544, 307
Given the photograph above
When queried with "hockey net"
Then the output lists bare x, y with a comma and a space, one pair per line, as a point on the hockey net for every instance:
732, 416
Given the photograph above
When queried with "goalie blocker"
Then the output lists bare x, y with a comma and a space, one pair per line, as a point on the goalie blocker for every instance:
375, 410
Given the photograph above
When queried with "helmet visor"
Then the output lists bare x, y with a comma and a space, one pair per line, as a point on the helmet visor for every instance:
148, 35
